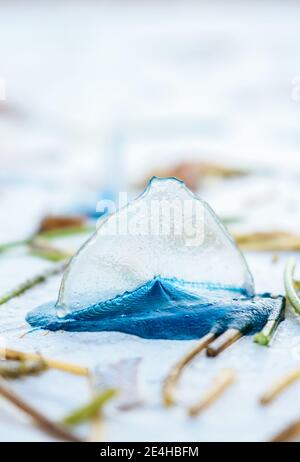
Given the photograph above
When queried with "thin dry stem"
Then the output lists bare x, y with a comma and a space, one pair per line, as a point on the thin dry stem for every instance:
7, 353
176, 371
279, 387
290, 433
43, 422
268, 241
229, 337
220, 384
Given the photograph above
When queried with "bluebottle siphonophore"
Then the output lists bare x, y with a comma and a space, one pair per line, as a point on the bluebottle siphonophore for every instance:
162, 267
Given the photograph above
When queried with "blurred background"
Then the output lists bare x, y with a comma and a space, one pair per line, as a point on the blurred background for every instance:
99, 95
95, 98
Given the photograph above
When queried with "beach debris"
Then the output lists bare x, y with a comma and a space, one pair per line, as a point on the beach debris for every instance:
19, 369
226, 339
280, 386
219, 339
89, 410
30, 283
40, 247
290, 433
12, 245
268, 241
50, 228
220, 384
172, 379
59, 222
54, 429
15, 355
213, 344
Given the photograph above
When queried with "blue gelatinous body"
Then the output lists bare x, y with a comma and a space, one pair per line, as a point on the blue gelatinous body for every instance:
167, 309
143, 274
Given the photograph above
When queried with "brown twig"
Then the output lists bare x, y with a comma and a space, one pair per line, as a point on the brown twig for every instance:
46, 424
229, 337
268, 241
290, 433
176, 371
221, 383
60, 223
279, 387
7, 353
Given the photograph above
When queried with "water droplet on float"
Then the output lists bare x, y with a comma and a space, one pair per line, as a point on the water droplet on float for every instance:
61, 310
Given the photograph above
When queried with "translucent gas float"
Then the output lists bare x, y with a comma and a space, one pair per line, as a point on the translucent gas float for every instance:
164, 267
